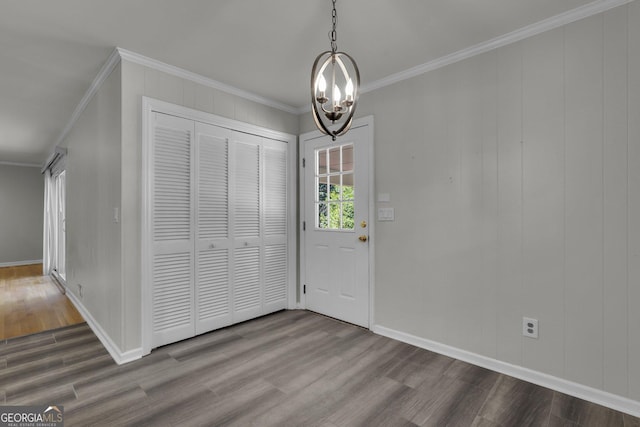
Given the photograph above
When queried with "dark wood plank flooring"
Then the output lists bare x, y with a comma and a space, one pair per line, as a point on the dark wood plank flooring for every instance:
292, 368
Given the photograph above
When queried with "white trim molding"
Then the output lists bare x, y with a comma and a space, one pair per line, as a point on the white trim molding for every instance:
115, 58
565, 18
19, 263
580, 391
26, 165
205, 81
151, 104
593, 8
590, 9
119, 356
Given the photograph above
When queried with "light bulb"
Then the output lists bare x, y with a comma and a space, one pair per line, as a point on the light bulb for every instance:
348, 89
336, 95
322, 84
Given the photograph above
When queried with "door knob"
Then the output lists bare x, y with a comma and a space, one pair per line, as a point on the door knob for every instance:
363, 238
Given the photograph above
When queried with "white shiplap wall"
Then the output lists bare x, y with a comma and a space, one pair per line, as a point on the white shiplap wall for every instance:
515, 176
93, 191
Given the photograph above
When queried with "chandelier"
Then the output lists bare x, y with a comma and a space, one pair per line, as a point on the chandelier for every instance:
333, 111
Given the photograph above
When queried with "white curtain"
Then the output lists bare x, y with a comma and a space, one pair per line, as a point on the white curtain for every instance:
49, 223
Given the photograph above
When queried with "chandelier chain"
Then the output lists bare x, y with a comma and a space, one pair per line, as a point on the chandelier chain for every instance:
333, 35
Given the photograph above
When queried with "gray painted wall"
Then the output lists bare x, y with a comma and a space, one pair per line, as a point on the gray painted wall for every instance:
21, 214
515, 177
93, 191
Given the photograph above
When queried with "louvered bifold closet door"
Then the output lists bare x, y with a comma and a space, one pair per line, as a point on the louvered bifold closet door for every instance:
275, 225
247, 268
172, 222
213, 245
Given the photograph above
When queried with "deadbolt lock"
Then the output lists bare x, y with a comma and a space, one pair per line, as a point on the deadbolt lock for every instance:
363, 224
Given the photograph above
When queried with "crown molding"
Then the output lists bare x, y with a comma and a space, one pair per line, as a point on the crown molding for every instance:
26, 165
107, 68
590, 9
556, 21
118, 54
205, 81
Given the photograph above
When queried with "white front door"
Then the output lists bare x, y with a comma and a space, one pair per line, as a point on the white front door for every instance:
336, 225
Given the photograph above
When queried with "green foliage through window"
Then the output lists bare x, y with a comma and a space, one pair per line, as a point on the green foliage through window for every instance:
340, 206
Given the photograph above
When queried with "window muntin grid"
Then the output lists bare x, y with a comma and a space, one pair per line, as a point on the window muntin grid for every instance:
335, 188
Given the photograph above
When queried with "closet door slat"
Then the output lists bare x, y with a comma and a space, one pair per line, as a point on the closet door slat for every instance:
275, 225
172, 230
247, 190
213, 278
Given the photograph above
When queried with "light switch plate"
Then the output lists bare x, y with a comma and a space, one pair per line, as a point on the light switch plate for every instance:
384, 197
386, 214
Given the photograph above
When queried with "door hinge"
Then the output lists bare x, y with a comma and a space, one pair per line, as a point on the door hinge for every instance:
304, 225
304, 162
304, 289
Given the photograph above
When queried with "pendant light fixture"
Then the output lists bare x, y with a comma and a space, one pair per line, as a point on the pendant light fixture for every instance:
335, 71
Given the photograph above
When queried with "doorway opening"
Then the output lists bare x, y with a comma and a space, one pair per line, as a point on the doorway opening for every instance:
31, 300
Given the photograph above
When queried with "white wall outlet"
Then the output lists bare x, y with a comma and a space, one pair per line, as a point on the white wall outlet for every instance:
530, 327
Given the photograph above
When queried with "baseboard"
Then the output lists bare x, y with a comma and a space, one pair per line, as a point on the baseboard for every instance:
118, 356
580, 391
19, 263
60, 284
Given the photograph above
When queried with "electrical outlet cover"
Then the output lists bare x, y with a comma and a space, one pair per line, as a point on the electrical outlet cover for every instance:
530, 327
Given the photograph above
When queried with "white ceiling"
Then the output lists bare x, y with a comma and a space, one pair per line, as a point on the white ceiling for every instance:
51, 50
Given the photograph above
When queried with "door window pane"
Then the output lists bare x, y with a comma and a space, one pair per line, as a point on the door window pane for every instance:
347, 158
321, 163
348, 222
335, 188
323, 193
323, 216
347, 186
334, 160
334, 216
